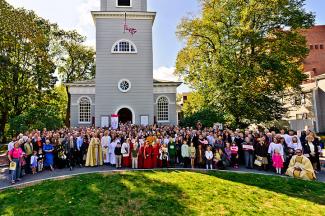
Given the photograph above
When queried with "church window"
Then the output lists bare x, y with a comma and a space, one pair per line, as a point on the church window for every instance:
163, 109
123, 3
124, 85
84, 110
124, 46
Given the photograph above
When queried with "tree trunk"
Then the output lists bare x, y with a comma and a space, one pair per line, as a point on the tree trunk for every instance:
3, 121
68, 111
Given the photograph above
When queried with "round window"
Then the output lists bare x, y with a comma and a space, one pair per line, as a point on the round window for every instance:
124, 85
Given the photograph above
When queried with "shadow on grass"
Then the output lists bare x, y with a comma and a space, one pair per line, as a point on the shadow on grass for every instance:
113, 194
307, 190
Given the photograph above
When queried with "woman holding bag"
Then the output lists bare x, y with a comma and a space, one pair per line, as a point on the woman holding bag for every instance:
14, 157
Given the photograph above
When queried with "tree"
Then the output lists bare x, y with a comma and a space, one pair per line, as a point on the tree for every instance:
27, 69
37, 118
206, 116
195, 102
77, 63
242, 55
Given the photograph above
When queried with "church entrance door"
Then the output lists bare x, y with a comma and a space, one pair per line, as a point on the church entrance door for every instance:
125, 115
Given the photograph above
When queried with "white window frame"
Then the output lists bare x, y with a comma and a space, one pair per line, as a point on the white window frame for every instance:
121, 6
90, 117
119, 87
157, 102
117, 43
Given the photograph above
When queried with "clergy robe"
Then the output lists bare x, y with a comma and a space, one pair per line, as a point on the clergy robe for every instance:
111, 153
95, 153
302, 162
105, 142
148, 157
155, 160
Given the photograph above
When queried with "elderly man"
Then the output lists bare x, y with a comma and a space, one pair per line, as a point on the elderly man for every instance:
301, 167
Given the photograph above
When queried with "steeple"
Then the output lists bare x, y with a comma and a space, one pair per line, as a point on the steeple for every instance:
123, 5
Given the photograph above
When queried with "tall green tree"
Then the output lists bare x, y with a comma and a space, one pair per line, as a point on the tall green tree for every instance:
242, 55
27, 69
77, 63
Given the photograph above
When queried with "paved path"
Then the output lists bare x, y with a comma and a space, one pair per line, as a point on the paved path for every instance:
64, 173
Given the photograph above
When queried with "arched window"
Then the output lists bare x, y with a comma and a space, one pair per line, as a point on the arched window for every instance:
124, 46
163, 109
84, 110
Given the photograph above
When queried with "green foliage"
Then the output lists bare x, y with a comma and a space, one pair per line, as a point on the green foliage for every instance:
167, 193
195, 102
76, 62
242, 56
31, 50
37, 118
206, 116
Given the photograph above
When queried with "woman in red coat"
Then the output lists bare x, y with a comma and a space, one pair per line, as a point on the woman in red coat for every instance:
141, 156
148, 155
156, 161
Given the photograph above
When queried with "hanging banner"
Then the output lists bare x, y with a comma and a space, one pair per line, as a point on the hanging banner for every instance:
104, 121
114, 121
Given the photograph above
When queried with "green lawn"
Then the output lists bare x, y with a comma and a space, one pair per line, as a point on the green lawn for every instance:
167, 193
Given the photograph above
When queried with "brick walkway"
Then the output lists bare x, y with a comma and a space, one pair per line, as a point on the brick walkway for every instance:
64, 173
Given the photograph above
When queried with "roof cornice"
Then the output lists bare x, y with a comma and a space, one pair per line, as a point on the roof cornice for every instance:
121, 15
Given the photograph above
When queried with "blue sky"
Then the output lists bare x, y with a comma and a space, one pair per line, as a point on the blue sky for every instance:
75, 14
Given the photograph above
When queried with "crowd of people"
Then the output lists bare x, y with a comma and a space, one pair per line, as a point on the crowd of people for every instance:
140, 147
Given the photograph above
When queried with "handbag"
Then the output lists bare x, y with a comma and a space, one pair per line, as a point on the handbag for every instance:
258, 163
12, 166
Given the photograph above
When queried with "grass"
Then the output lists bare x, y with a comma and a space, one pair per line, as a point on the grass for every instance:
167, 193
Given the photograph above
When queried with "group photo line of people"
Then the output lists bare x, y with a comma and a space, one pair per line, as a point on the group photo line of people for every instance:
140, 147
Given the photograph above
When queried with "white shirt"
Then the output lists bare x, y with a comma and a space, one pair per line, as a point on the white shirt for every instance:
11, 146
125, 150
33, 159
106, 140
166, 141
312, 148
295, 146
210, 140
208, 155
273, 146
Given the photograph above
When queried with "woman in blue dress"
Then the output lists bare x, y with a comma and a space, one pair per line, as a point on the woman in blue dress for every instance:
48, 149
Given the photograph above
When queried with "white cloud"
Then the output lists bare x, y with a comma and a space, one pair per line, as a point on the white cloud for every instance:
85, 24
165, 73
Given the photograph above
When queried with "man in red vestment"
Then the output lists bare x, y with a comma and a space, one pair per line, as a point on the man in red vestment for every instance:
141, 156
156, 161
148, 154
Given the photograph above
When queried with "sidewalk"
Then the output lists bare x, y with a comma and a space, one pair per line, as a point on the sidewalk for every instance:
65, 173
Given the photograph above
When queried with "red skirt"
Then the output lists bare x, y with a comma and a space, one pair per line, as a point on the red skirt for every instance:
126, 161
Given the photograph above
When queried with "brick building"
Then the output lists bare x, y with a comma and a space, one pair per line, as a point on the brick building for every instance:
308, 109
314, 64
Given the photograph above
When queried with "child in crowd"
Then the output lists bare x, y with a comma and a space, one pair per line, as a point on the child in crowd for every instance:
135, 153
185, 154
33, 162
217, 158
209, 157
192, 155
118, 155
277, 161
40, 160
234, 155
164, 155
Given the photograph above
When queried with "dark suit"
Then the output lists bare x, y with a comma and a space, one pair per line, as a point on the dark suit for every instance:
313, 158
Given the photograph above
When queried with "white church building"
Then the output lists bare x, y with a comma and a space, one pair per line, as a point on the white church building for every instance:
124, 84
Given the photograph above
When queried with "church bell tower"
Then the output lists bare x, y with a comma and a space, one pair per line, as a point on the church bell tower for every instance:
124, 61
